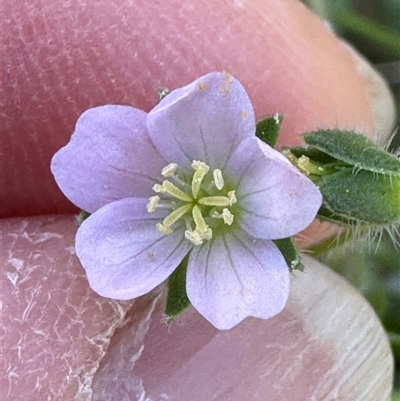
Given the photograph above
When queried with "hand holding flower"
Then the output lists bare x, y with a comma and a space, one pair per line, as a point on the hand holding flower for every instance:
67, 58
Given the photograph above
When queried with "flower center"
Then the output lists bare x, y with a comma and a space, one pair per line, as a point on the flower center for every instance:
201, 202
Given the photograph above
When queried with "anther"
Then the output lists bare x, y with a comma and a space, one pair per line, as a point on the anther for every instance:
232, 197
169, 170
153, 202
165, 230
193, 237
159, 188
206, 234
218, 179
198, 165
196, 237
201, 170
227, 216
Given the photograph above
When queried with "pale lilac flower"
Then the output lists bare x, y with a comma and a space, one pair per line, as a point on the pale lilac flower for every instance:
189, 176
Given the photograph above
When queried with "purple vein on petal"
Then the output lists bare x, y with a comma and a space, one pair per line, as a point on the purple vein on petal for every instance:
231, 261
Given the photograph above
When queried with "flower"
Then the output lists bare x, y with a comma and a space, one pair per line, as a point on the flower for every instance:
189, 176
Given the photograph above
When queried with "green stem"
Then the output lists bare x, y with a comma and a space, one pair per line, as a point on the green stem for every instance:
370, 30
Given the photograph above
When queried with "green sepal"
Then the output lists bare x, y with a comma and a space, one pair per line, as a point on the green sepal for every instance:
355, 150
312, 153
361, 197
177, 300
268, 127
290, 252
82, 216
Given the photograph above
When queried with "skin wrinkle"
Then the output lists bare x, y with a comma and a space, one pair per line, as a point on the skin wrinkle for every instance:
46, 363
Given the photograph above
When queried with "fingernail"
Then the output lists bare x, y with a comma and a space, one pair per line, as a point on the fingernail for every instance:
381, 99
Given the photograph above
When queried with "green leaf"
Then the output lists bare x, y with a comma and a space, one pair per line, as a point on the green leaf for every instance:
290, 252
354, 149
268, 127
177, 300
325, 214
362, 197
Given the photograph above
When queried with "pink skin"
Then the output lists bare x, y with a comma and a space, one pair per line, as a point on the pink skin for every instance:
64, 57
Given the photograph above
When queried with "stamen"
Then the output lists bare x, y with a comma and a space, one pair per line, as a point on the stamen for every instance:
180, 181
201, 170
169, 170
221, 201
153, 202
199, 221
188, 224
193, 237
196, 164
227, 216
218, 178
163, 229
214, 214
166, 205
232, 197
197, 229
176, 215
159, 188
207, 234
174, 191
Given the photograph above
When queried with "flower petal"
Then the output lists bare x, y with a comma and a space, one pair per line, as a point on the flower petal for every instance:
235, 276
123, 253
275, 199
110, 157
204, 120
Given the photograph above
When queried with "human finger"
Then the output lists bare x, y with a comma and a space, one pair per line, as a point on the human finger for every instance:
62, 341
62, 58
